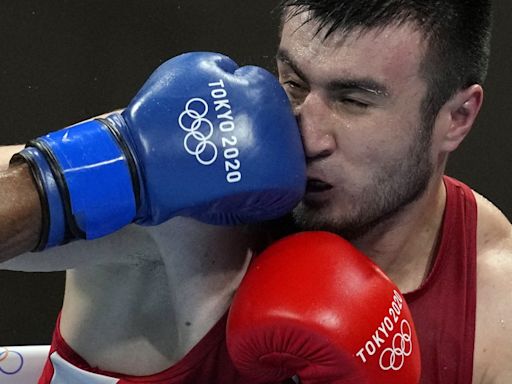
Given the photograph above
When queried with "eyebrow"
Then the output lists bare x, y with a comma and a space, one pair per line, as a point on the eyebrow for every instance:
362, 84
283, 56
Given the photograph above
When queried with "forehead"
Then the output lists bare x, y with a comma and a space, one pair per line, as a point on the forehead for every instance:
388, 54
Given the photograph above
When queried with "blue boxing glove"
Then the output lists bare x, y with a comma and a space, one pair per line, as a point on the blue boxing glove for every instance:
202, 138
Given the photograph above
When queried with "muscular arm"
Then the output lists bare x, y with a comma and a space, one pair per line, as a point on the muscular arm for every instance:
493, 351
20, 209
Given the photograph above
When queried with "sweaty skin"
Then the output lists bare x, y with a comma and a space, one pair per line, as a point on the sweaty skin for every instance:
358, 142
20, 210
357, 98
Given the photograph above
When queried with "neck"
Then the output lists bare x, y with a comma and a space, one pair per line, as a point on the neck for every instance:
405, 245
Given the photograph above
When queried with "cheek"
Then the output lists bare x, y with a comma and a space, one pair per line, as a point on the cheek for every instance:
382, 141
360, 158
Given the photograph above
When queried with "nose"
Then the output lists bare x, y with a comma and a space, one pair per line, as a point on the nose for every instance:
313, 116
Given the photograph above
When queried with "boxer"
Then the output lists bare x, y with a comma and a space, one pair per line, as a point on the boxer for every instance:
69, 202
383, 93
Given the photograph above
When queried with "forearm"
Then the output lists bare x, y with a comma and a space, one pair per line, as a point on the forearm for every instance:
20, 212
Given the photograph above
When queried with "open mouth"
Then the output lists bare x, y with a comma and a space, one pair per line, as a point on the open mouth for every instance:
317, 186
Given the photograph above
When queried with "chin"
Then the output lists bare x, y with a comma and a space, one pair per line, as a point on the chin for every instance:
308, 217
314, 217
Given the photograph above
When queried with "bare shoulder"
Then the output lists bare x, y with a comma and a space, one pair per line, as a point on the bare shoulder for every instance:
494, 229
494, 246
494, 295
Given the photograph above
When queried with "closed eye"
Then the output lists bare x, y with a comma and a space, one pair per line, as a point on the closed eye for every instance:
292, 84
355, 103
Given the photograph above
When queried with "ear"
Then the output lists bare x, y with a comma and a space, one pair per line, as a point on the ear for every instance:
459, 115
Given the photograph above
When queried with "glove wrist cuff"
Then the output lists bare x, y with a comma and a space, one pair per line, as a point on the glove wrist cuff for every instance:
92, 175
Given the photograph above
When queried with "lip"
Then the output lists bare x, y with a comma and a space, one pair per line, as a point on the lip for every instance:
317, 186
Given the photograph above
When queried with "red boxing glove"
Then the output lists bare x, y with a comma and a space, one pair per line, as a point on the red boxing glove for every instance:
314, 306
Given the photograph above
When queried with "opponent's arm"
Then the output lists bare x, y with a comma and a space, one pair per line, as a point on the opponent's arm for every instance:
20, 221
20, 208
201, 139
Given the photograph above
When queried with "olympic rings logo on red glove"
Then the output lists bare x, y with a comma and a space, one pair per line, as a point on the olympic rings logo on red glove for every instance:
200, 129
394, 357
11, 362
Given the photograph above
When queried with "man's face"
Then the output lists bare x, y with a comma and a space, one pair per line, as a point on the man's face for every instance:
358, 99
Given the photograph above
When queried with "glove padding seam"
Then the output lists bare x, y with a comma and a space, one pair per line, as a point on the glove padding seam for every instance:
130, 159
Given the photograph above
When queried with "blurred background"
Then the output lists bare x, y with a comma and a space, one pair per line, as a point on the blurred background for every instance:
64, 61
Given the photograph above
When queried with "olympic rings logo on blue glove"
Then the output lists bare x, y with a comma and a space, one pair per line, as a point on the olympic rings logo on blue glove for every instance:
200, 129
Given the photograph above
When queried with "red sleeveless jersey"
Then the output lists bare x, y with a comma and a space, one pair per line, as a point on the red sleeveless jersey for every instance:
444, 307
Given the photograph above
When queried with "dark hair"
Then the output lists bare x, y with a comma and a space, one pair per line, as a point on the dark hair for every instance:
457, 33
